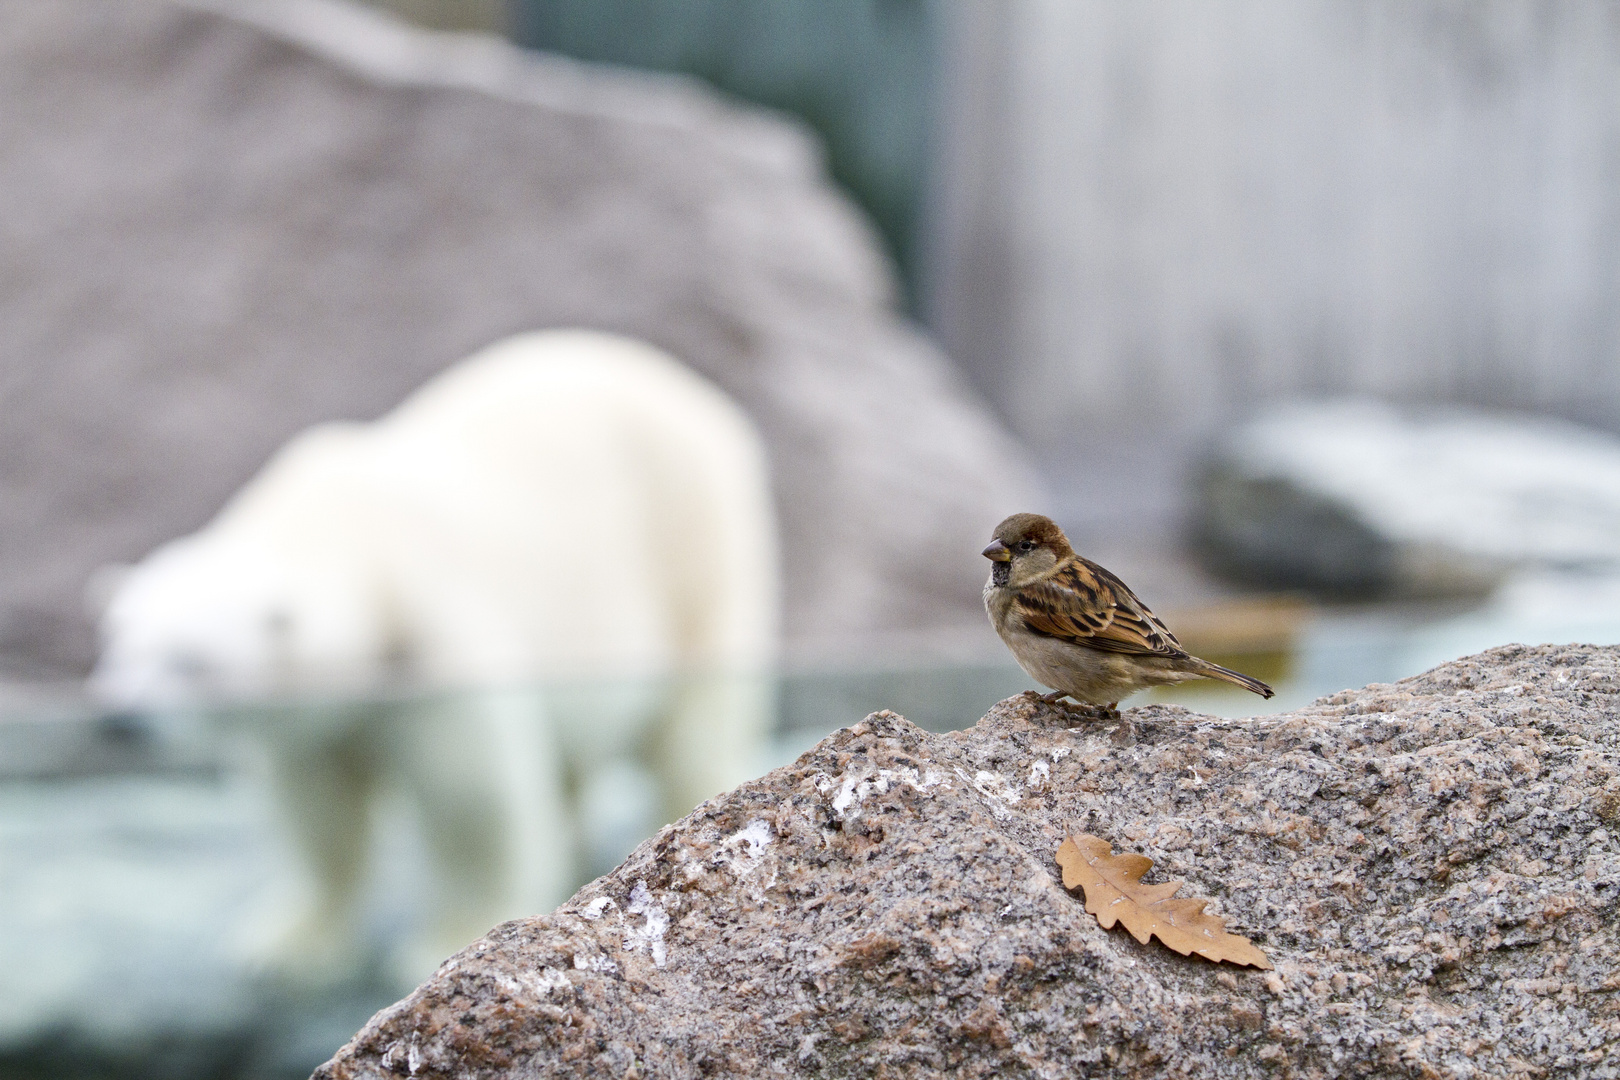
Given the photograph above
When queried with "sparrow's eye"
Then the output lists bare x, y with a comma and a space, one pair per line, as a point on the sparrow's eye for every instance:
1025, 546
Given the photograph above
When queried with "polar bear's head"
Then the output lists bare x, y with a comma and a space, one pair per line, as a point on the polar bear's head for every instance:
205, 622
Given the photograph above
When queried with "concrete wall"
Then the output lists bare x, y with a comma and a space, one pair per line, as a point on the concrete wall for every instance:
1162, 212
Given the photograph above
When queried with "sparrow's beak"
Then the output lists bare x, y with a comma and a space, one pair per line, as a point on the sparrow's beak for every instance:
997, 552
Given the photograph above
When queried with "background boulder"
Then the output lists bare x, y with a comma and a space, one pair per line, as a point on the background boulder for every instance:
1352, 496
228, 221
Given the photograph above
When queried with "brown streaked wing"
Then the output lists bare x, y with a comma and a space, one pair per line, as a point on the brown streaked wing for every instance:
1087, 605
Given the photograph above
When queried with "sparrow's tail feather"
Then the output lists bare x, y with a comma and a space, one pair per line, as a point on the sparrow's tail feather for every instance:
1215, 671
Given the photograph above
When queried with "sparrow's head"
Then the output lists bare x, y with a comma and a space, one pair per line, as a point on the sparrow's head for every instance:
1026, 548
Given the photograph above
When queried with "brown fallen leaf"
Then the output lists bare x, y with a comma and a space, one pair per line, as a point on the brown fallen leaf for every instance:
1115, 892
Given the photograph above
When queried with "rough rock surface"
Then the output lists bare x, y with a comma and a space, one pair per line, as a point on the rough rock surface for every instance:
222, 226
1431, 865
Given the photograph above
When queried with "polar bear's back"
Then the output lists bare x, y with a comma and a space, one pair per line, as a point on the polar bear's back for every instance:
532, 374
561, 504
592, 489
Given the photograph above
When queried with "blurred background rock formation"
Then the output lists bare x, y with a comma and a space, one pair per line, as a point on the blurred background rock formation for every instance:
1356, 498
225, 229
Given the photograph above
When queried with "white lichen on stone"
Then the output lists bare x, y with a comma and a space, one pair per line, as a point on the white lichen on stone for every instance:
746, 849
597, 908
413, 1056
604, 964
651, 932
526, 984
757, 835
846, 805
998, 793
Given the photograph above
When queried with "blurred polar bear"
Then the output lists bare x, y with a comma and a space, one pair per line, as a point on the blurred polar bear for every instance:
568, 508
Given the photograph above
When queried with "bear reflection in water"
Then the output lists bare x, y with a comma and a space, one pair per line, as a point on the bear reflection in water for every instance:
566, 509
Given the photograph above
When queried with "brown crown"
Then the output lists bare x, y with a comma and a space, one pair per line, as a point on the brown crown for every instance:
1042, 530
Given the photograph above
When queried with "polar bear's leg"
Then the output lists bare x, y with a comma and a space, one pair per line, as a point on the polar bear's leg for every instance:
488, 783
713, 736
719, 558
324, 774
722, 707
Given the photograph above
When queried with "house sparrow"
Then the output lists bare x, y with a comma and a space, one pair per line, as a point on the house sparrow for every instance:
1075, 627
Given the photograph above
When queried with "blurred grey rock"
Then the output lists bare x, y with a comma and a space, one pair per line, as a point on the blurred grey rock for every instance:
1352, 496
1431, 866
223, 228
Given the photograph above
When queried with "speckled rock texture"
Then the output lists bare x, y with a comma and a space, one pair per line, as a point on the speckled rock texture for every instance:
1431, 865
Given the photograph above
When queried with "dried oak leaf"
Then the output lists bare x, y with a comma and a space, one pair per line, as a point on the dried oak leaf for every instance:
1114, 891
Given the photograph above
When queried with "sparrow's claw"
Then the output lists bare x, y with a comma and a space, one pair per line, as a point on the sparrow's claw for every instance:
1079, 708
